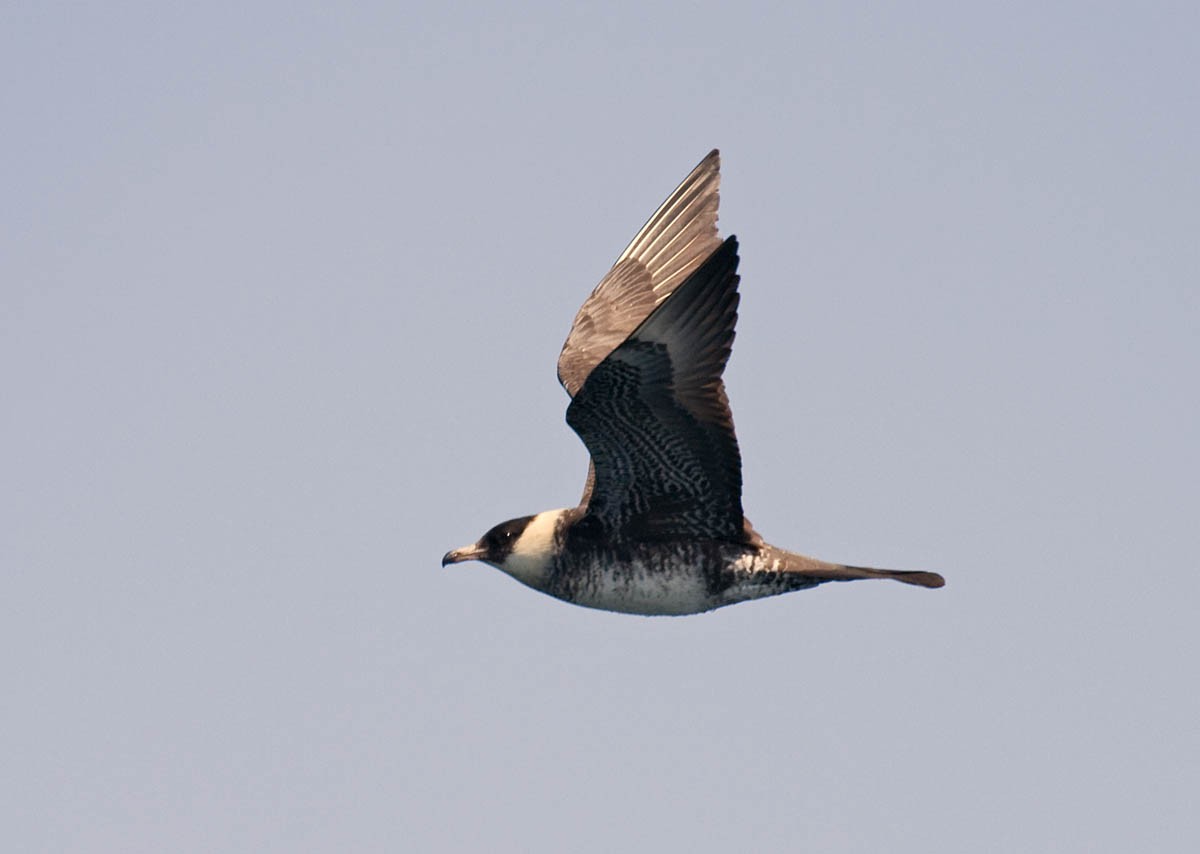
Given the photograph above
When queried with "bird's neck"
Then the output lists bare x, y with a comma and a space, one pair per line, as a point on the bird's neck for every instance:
532, 558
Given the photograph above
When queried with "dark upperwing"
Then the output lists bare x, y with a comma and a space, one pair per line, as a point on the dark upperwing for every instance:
680, 235
655, 418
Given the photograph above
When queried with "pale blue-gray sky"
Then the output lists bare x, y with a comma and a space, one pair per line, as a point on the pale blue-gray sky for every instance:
283, 287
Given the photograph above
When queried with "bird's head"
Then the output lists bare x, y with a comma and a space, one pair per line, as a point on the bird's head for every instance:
523, 547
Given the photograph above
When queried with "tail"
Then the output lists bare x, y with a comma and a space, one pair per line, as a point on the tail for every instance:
793, 563
920, 579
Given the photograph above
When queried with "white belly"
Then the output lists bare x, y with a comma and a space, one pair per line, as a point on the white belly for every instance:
645, 587
642, 591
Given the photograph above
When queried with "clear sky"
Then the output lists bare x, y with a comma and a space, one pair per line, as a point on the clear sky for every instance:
283, 288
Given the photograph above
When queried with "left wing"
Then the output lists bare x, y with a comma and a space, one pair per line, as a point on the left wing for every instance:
665, 251
655, 418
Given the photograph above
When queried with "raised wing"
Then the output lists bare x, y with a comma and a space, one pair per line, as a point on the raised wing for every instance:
668, 249
655, 418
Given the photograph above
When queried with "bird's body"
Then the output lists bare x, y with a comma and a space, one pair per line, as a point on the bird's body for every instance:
659, 529
558, 556
682, 577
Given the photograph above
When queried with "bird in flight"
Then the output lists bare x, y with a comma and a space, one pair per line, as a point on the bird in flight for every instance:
659, 529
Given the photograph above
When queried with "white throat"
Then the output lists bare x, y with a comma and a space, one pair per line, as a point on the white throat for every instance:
533, 553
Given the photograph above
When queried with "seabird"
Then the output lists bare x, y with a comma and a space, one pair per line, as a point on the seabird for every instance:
659, 529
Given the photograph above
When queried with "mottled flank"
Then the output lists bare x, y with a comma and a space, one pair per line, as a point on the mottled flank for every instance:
683, 577
660, 528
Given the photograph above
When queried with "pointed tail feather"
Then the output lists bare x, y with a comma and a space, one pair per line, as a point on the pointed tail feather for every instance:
921, 579
813, 568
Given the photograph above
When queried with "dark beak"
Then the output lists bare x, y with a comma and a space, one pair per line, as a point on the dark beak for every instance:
471, 552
